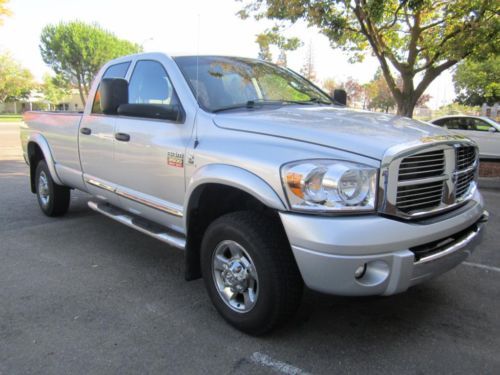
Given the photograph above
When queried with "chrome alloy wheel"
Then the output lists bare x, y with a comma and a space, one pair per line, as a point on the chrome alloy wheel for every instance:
235, 276
43, 189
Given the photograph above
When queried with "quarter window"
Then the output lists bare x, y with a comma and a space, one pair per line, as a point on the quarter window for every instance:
114, 71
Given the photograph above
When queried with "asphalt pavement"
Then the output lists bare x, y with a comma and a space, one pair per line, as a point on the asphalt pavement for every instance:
83, 294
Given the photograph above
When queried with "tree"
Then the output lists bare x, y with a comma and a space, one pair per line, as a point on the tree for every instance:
329, 85
415, 40
354, 90
54, 89
478, 82
76, 51
274, 37
379, 95
4, 11
307, 69
16, 82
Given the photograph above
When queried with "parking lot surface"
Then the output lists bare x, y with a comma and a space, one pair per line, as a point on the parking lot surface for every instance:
83, 294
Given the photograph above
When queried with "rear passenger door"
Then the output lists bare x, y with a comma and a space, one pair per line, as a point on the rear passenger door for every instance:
96, 143
149, 161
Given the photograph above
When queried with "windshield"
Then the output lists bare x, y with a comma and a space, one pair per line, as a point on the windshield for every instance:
221, 83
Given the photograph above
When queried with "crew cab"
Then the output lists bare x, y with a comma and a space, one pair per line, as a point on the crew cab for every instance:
264, 181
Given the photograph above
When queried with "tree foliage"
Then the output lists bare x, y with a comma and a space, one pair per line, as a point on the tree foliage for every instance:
273, 37
16, 82
54, 89
478, 82
4, 11
379, 95
329, 85
415, 40
355, 91
76, 51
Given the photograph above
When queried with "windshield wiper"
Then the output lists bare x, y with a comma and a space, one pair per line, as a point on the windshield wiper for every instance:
254, 103
249, 104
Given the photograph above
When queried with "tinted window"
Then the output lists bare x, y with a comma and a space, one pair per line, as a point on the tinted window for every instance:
149, 84
114, 71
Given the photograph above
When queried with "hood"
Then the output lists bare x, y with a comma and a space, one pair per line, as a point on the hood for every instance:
366, 133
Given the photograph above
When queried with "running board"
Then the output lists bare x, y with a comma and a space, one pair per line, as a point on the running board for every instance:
154, 230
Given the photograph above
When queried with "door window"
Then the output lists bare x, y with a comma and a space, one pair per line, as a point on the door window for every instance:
114, 71
149, 84
480, 125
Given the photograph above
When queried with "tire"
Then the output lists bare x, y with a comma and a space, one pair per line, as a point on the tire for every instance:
53, 199
250, 251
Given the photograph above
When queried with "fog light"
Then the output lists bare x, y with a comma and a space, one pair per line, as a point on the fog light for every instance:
360, 271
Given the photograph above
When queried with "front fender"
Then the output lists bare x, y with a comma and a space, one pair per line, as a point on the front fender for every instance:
41, 142
235, 177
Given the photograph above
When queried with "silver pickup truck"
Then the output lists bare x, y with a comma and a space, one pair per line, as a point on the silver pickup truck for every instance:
263, 180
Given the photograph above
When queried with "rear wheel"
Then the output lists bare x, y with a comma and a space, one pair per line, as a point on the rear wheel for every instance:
249, 271
53, 199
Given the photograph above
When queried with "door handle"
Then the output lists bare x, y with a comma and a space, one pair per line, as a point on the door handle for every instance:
86, 131
122, 137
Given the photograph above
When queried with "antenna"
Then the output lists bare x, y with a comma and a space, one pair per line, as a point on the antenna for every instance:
196, 142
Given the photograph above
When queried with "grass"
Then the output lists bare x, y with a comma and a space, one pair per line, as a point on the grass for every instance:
11, 118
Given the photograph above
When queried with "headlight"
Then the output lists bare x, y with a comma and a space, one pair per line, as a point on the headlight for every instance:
330, 186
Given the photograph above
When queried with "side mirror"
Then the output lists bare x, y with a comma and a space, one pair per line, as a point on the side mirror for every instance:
340, 96
114, 92
170, 112
492, 129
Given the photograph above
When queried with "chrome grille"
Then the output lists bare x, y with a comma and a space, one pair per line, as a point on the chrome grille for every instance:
420, 196
466, 157
413, 197
422, 165
428, 180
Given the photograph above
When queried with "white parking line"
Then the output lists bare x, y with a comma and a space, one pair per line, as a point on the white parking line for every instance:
267, 361
482, 266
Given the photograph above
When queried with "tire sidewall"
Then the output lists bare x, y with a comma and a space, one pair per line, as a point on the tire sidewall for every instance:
42, 166
265, 306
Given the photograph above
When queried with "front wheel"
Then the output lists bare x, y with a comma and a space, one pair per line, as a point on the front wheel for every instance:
250, 272
53, 199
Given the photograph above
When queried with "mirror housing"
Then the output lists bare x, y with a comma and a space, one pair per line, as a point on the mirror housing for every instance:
492, 129
113, 93
171, 112
340, 96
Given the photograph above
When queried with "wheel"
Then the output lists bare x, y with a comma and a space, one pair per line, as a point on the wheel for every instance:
52, 198
250, 272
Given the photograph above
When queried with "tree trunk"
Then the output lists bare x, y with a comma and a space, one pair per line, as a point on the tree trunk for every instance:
406, 106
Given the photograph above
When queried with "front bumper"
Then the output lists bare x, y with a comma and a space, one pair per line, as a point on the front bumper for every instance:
330, 252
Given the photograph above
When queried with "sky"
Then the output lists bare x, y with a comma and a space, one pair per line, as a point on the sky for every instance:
183, 27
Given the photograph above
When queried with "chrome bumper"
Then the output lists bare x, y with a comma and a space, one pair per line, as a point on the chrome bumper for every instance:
382, 269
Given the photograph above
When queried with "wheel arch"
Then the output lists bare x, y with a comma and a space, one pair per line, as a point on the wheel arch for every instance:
218, 189
38, 149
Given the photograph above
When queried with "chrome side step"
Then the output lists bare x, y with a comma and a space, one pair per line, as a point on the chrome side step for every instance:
154, 230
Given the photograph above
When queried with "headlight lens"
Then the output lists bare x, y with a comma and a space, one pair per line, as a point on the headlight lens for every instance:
330, 186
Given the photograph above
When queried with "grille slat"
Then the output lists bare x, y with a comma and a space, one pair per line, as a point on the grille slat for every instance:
426, 164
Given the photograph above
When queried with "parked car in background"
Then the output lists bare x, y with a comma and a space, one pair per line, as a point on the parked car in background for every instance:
483, 130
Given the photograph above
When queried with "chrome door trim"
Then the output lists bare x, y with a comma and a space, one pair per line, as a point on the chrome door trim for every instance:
160, 207
156, 206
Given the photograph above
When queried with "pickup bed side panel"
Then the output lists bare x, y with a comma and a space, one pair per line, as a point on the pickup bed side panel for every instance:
60, 130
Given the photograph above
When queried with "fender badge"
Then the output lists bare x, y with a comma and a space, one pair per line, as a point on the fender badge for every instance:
175, 159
